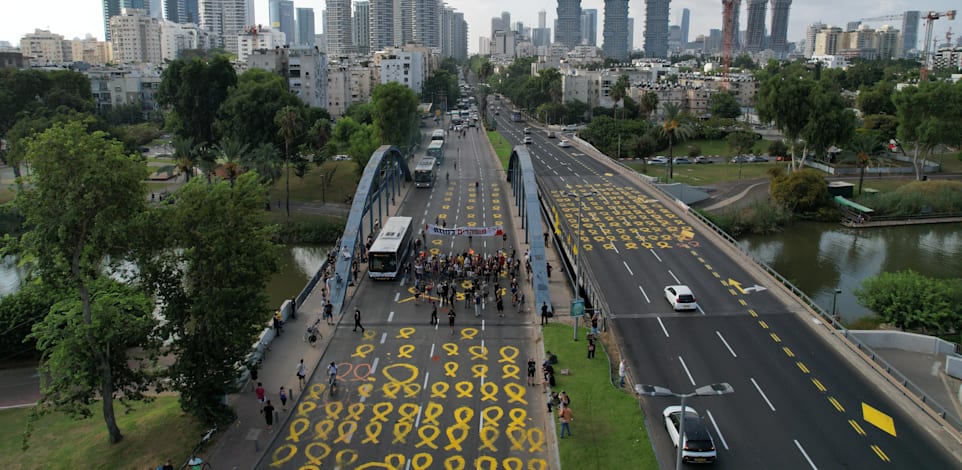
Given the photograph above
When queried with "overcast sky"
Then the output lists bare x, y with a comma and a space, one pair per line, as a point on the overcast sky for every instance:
76, 18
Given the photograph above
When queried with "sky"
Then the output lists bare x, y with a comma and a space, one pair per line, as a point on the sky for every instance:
77, 18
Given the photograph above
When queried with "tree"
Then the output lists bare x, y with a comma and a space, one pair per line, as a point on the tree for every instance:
247, 115
208, 261
777, 148
929, 116
230, 153
184, 155
910, 300
693, 150
263, 159
287, 120
675, 128
395, 115
649, 103
876, 100
784, 98
886, 125
744, 61
194, 90
865, 145
84, 191
830, 121
618, 91
724, 105
643, 146
741, 142
801, 192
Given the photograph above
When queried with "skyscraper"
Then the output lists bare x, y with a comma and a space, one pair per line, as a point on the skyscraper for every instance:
755, 36
568, 25
541, 36
631, 34
685, 22
223, 19
282, 18
910, 33
496, 25
381, 24
616, 30
656, 28
361, 22
426, 23
181, 11
589, 25
779, 34
114, 7
454, 34
305, 27
810, 34
337, 28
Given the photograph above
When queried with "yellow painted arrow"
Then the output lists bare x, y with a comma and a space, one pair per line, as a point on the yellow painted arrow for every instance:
736, 284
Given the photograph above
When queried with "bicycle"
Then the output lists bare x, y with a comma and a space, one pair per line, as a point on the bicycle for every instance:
332, 384
195, 462
312, 333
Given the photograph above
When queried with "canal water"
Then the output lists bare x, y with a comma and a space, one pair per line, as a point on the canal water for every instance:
819, 257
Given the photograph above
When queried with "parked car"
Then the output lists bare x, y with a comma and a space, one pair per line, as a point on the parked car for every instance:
341, 158
680, 298
659, 160
757, 159
740, 159
564, 143
703, 160
527, 140
682, 161
698, 446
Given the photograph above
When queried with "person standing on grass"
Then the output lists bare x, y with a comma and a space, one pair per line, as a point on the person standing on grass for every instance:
591, 348
544, 313
268, 412
564, 417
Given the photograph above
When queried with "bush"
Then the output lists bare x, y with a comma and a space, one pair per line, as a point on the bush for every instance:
315, 231
920, 197
758, 218
18, 313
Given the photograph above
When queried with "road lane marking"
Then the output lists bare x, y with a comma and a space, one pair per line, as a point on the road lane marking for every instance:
717, 431
390, 316
383, 337
683, 366
878, 419
760, 392
838, 406
880, 454
802, 366
726, 343
856, 427
763, 324
642, 289
788, 352
700, 310
397, 295
674, 277
776, 338
656, 255
663, 329
805, 454
626, 267
818, 385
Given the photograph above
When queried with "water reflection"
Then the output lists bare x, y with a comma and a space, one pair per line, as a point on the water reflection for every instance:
820, 257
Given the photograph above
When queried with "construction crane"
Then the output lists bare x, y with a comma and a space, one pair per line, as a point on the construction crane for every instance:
728, 37
898, 17
927, 53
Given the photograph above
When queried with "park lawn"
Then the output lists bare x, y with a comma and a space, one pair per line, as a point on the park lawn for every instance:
716, 147
706, 175
501, 147
608, 426
153, 433
310, 188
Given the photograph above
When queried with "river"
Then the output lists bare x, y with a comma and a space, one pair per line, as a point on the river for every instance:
819, 257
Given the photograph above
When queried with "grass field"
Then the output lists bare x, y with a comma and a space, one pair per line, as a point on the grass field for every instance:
715, 148
702, 175
607, 427
152, 433
501, 147
310, 188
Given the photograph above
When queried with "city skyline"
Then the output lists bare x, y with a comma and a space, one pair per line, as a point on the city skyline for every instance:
76, 18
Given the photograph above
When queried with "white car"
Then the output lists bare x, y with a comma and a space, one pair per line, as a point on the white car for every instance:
699, 446
659, 160
680, 298
527, 140
564, 143
341, 158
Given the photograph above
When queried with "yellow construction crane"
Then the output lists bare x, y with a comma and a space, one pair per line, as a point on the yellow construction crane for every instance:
927, 51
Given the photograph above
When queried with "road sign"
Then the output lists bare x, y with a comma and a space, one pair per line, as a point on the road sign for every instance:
577, 307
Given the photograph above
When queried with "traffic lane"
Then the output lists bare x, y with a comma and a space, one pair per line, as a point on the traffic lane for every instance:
848, 387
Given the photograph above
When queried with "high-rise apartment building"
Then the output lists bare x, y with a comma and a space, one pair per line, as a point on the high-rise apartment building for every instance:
115, 7
616, 30
685, 24
362, 27
779, 33
224, 19
827, 41
496, 25
568, 26
910, 33
755, 35
426, 23
381, 24
656, 28
305, 27
282, 18
888, 42
181, 11
44, 47
403, 22
136, 37
541, 36
506, 21
454, 34
810, 34
337, 28
589, 25
631, 34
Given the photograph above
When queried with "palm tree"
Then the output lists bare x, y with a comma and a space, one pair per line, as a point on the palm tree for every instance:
865, 145
229, 154
676, 128
263, 160
286, 120
618, 92
185, 156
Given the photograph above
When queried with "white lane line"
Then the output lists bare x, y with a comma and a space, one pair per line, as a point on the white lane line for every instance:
431, 354
397, 295
417, 421
656, 255
717, 431
373, 368
665, 330
760, 392
805, 454
383, 337
390, 316
642, 289
674, 277
726, 344
626, 267
687, 372
700, 310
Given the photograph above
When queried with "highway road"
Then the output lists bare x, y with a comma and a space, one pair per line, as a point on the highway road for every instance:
797, 403
414, 395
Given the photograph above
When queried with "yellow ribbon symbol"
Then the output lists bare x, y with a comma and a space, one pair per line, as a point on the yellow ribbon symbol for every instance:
518, 416
345, 430
362, 350
489, 434
373, 430
537, 464
432, 411
439, 390
305, 407
405, 333
428, 433
405, 351
322, 429
381, 410
451, 369
536, 438
334, 409
298, 426
346, 457
508, 354
469, 333
422, 461
401, 430
480, 371
512, 463
516, 436
354, 411
488, 391
315, 457
464, 389
390, 389
365, 390
515, 393
283, 454
492, 415
456, 435
510, 371
408, 411
316, 390
478, 352
450, 348
454, 462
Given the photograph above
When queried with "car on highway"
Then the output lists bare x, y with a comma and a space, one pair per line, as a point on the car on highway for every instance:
682, 161
527, 140
527, 130
740, 159
551, 134
659, 160
698, 446
564, 143
497, 113
341, 158
757, 159
703, 160
680, 298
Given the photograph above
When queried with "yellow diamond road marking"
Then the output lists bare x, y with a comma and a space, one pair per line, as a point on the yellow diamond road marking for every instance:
879, 419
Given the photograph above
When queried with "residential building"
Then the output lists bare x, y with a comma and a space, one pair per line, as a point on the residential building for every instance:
338, 90
496, 25
616, 44
115, 7
254, 38
181, 11
361, 27
484, 46
403, 22
454, 34
305, 27
810, 34
43, 47
125, 85
779, 32
589, 25
755, 35
224, 19
568, 25
948, 57
406, 68
282, 18
135, 37
631, 34
541, 36
426, 23
827, 41
503, 45
887, 42
12, 59
337, 28
177, 37
303, 68
381, 25
90, 50
656, 28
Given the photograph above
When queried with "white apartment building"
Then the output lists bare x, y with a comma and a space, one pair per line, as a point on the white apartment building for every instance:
338, 90
135, 37
406, 68
176, 37
224, 19
307, 76
118, 86
43, 47
338, 27
254, 38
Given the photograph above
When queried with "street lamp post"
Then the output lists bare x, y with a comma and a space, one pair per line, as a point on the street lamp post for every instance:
834, 302
722, 388
580, 198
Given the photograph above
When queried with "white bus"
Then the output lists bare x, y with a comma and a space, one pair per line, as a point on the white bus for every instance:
438, 134
424, 173
436, 151
390, 249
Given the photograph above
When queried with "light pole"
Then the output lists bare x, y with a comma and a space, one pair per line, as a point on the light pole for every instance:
580, 198
834, 301
722, 388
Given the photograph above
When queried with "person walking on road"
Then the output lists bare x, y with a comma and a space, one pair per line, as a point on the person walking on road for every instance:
268, 412
532, 367
329, 312
451, 318
283, 396
434, 314
564, 417
301, 373
357, 320
259, 391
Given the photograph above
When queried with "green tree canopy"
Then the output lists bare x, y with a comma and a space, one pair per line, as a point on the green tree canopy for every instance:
194, 90
396, 115
247, 115
724, 105
910, 300
801, 192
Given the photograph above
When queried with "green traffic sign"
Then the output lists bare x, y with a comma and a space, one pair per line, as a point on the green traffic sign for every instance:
577, 308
